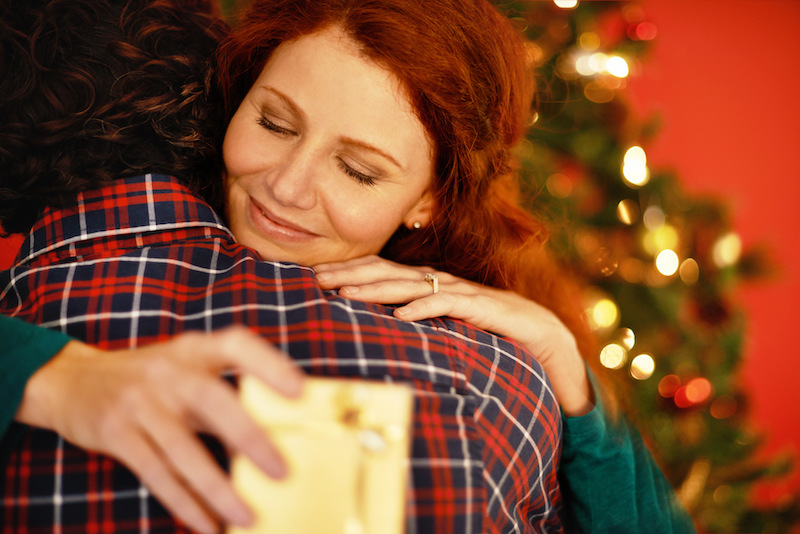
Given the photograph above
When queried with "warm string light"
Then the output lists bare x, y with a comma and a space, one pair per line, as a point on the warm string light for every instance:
566, 4
634, 167
726, 250
643, 366
667, 262
689, 271
604, 314
694, 392
615, 355
601, 73
600, 63
627, 212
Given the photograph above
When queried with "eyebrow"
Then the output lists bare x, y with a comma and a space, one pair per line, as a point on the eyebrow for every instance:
347, 140
372, 148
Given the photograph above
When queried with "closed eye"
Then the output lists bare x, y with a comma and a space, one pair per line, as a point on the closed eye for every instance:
360, 177
272, 127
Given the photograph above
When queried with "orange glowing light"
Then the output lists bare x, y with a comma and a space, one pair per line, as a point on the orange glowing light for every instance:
698, 390
669, 385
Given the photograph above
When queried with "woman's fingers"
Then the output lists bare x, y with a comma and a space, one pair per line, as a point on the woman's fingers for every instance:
366, 270
445, 303
391, 292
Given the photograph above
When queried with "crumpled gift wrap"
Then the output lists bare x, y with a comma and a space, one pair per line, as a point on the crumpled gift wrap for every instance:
346, 443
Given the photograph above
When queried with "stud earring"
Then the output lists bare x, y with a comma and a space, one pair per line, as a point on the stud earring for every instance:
417, 225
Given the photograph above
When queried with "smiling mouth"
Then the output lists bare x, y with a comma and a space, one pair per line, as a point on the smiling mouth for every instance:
275, 226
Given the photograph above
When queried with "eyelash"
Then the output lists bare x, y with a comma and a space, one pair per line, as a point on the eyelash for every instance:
360, 177
272, 127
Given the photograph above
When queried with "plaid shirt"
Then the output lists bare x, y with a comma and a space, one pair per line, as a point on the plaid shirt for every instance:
142, 260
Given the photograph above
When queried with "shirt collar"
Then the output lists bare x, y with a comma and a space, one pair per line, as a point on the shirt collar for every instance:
134, 205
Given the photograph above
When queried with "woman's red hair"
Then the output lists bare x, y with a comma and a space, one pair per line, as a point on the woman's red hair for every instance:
463, 66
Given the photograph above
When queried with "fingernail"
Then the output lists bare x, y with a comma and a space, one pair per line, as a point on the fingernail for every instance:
324, 276
401, 311
350, 289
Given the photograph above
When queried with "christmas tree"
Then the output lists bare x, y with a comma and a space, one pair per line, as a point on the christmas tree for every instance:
660, 265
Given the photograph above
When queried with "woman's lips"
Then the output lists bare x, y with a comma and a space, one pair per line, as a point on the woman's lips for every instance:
276, 227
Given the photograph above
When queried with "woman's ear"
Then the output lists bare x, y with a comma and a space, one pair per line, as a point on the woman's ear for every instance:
421, 213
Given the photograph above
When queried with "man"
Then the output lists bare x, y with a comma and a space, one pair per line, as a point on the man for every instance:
97, 100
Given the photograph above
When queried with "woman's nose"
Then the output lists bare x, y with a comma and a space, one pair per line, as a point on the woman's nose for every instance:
293, 184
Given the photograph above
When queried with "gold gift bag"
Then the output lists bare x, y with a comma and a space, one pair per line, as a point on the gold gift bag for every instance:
346, 443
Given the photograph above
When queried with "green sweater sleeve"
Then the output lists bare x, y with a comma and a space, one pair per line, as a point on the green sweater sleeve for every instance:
26, 348
611, 483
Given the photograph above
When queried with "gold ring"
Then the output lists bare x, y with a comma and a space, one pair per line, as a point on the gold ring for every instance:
433, 280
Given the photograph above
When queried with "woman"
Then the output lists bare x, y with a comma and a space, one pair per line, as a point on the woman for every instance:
312, 178
297, 190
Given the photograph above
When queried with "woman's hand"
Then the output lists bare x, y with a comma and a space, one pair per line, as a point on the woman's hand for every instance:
145, 407
374, 279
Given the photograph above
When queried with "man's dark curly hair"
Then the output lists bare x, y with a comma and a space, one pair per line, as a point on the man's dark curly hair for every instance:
93, 90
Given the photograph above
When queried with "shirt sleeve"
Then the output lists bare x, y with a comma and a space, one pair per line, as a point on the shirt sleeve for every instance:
611, 483
26, 348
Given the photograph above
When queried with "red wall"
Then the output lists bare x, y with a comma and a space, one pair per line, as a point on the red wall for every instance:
725, 76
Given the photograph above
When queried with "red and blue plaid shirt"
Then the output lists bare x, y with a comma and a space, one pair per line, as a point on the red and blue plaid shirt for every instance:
143, 259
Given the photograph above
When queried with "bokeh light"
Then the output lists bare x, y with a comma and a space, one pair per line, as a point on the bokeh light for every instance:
644, 31
669, 385
613, 356
654, 217
627, 211
625, 337
689, 271
604, 261
680, 398
642, 367
634, 167
598, 92
566, 4
726, 250
667, 262
604, 314
631, 270
589, 41
584, 66
559, 185
698, 390
617, 66
722, 493
723, 407
660, 238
